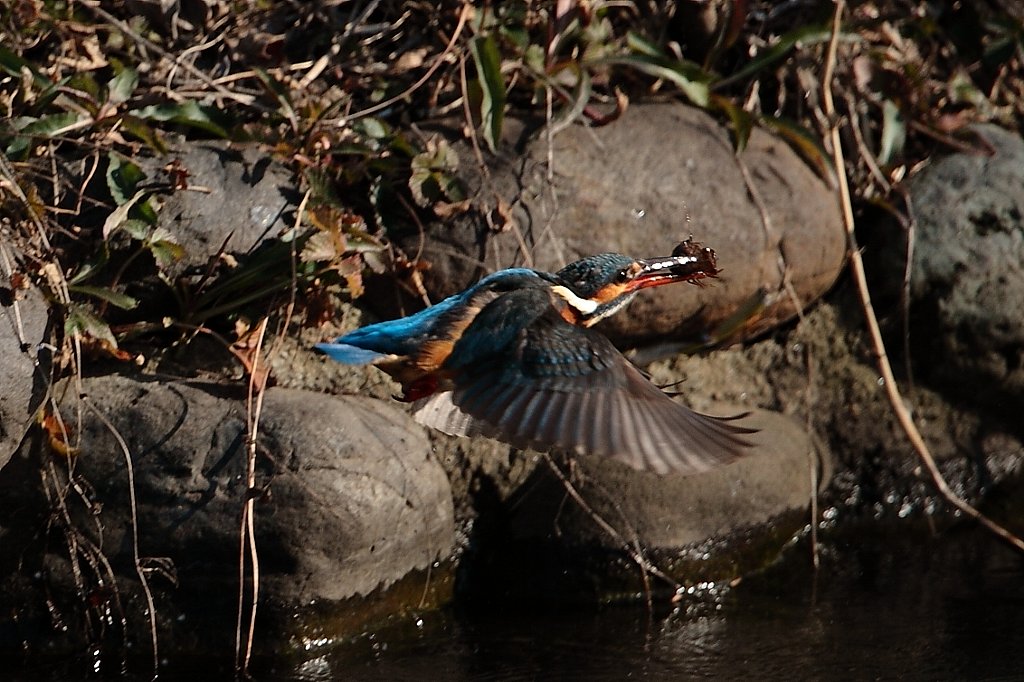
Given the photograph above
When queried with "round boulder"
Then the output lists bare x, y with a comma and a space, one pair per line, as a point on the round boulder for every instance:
638, 186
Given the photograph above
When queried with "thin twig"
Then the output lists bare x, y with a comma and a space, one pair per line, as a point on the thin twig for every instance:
906, 420
380, 106
634, 548
134, 517
127, 30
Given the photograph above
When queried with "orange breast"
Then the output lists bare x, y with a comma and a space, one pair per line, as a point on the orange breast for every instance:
434, 352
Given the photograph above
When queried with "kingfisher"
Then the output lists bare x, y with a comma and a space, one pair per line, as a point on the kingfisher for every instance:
514, 357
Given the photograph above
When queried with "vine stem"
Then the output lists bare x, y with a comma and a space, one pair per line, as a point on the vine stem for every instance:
892, 390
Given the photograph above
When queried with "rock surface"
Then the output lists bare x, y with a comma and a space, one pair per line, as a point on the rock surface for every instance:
24, 319
240, 197
968, 276
639, 186
348, 497
673, 512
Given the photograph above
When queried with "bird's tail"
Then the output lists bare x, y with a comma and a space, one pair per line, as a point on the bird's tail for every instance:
349, 354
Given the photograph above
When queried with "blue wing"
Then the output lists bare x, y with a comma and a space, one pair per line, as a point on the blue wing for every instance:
406, 335
348, 354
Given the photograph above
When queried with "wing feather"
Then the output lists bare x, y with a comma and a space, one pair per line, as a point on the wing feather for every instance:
551, 385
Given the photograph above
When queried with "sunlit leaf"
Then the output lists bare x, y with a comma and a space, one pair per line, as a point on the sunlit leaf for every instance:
487, 59
116, 298
741, 119
137, 229
687, 76
123, 178
639, 44
122, 86
118, 216
324, 245
58, 432
44, 127
80, 320
204, 118
371, 127
165, 249
894, 133
433, 174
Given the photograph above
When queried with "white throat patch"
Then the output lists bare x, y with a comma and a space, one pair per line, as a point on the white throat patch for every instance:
584, 306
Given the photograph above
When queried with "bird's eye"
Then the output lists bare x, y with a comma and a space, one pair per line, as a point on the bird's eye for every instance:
622, 276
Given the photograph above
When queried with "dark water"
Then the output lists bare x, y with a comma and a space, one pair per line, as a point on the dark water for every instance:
901, 604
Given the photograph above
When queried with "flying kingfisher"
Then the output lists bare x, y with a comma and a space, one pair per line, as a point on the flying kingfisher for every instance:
514, 358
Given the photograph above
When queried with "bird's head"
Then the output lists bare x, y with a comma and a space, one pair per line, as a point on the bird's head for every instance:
597, 286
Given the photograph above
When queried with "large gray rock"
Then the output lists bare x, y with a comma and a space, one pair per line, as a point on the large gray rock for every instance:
350, 497
675, 512
24, 317
348, 501
240, 196
639, 186
968, 276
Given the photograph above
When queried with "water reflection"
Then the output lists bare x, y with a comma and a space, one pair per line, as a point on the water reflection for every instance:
885, 605
882, 607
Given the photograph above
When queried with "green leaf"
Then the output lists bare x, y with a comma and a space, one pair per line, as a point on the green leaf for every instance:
894, 133
204, 118
164, 249
14, 64
741, 119
137, 229
44, 127
86, 89
806, 35
638, 44
137, 128
120, 214
122, 301
81, 320
371, 127
90, 266
688, 77
433, 178
487, 60
578, 101
121, 86
166, 252
123, 178
806, 144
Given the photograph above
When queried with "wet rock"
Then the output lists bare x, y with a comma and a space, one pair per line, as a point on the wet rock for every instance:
240, 197
968, 276
639, 186
348, 500
673, 512
24, 320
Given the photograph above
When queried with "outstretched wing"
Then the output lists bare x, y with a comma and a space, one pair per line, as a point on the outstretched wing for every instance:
551, 385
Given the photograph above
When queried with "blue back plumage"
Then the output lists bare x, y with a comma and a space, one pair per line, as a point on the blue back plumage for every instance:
406, 334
